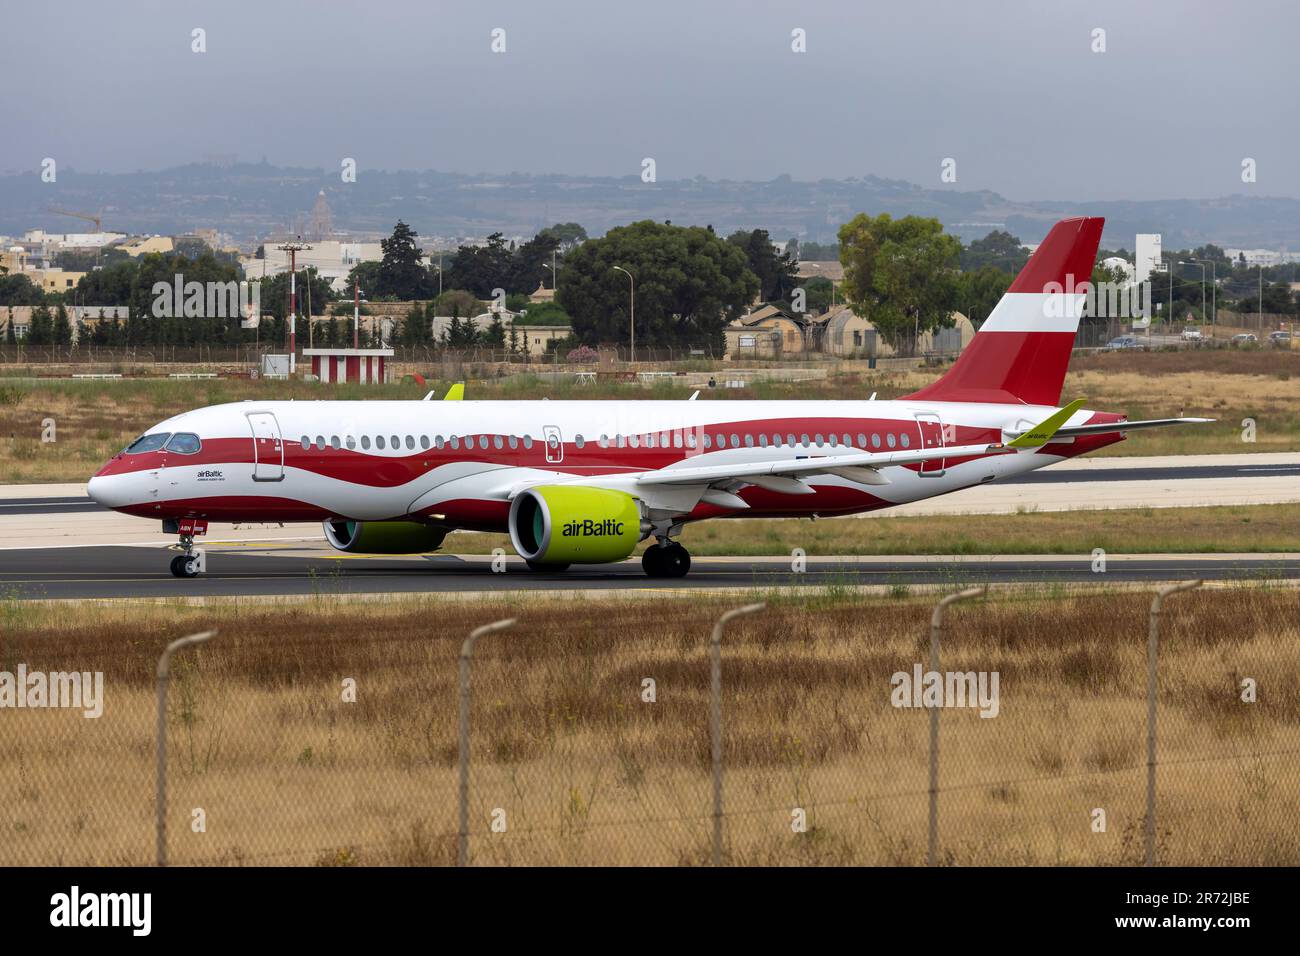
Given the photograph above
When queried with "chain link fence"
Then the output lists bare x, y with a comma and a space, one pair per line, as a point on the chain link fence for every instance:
330, 734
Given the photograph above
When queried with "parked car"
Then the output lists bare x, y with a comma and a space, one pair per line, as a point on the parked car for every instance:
1280, 339
1193, 335
1124, 342
1244, 338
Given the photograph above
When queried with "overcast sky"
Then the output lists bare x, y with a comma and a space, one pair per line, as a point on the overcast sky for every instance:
1011, 90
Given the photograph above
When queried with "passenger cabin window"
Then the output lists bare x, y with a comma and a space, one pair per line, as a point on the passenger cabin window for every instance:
184, 443
365, 441
379, 442
424, 442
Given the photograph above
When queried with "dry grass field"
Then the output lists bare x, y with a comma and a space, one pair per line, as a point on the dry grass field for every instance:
583, 770
95, 419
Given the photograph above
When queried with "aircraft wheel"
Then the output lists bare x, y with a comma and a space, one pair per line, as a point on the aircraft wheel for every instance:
676, 561
185, 566
652, 561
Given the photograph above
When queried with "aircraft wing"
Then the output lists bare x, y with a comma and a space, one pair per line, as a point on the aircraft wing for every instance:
1110, 427
813, 465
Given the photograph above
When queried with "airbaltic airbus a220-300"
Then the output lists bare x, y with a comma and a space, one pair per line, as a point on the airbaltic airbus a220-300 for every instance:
584, 482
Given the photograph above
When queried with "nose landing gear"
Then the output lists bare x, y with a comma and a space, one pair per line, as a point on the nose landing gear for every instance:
667, 559
190, 563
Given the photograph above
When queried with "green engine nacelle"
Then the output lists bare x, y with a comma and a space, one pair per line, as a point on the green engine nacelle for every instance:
567, 524
384, 537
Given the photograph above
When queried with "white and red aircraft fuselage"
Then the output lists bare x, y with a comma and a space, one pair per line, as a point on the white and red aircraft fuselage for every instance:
585, 481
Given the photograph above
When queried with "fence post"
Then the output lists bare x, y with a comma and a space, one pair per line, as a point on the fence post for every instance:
715, 718
466, 654
1153, 641
160, 797
936, 628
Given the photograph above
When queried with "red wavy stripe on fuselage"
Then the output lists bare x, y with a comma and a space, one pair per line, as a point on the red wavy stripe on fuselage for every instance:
387, 471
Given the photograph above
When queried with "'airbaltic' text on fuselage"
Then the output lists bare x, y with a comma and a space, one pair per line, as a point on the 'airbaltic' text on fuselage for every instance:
588, 528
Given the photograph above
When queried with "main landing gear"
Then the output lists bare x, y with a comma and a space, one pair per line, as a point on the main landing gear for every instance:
667, 559
190, 563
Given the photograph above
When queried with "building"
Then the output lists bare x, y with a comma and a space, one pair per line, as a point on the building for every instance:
55, 280
768, 332
536, 339
83, 318
367, 366
847, 334
333, 260
143, 245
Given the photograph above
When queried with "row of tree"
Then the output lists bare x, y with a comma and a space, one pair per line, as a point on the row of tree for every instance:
685, 283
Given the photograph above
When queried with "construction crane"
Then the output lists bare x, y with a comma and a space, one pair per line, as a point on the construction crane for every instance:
97, 220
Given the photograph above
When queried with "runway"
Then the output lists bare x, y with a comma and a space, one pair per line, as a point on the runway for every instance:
57, 543
296, 569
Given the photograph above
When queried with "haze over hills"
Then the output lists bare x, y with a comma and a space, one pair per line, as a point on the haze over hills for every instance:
253, 200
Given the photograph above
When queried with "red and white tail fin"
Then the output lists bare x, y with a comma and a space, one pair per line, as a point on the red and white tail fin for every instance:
1022, 351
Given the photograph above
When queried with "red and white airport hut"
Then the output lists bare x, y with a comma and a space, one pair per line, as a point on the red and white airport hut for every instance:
367, 366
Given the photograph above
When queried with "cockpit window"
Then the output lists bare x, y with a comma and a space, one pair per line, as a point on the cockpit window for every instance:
184, 443
147, 443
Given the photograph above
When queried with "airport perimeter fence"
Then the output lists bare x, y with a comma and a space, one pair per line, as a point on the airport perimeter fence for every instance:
626, 735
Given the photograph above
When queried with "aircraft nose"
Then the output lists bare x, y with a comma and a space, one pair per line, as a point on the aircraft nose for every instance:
105, 490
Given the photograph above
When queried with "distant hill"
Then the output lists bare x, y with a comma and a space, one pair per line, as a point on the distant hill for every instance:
253, 200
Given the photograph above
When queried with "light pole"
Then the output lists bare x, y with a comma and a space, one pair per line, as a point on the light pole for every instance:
1214, 288
1194, 262
1259, 303
632, 314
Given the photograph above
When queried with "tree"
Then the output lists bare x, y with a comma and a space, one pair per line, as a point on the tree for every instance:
544, 313
41, 330
530, 264
569, 235
365, 275
819, 292
416, 327
481, 269
899, 273
19, 290
62, 330
775, 271
998, 250
457, 302
401, 273
689, 285
975, 294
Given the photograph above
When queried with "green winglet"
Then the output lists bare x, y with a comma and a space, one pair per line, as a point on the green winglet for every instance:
456, 393
1042, 433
